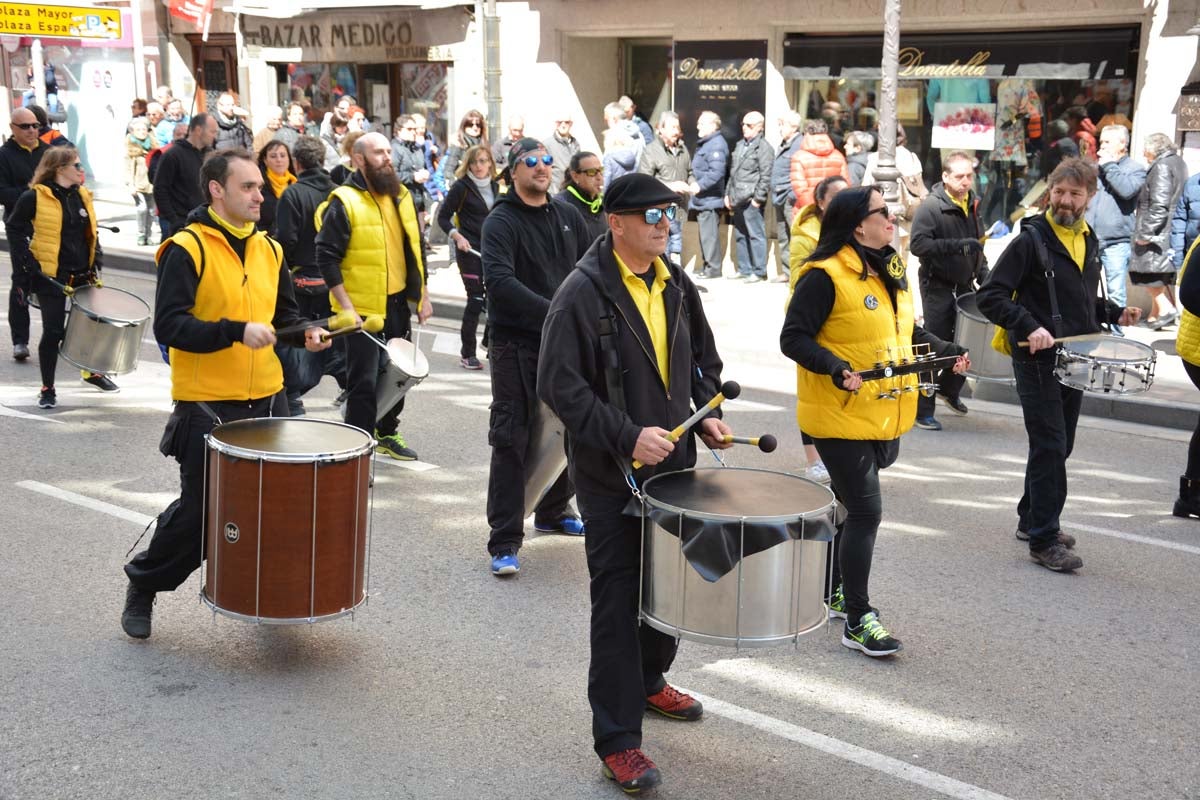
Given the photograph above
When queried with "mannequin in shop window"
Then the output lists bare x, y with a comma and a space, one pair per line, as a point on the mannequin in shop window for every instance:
1018, 108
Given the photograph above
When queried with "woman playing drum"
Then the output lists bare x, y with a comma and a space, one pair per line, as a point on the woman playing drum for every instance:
52, 232
851, 309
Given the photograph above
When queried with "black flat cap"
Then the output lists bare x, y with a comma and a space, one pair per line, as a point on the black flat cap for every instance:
636, 191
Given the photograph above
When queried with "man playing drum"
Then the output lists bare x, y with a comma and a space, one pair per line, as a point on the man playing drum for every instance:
626, 349
222, 287
1044, 286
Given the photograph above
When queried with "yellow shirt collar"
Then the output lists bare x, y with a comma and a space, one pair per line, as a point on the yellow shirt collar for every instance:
240, 232
661, 273
1079, 227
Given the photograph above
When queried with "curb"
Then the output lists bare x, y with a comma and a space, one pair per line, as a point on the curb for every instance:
1146, 411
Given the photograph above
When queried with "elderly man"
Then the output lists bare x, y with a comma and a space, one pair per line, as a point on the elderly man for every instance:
164, 131
19, 157
667, 159
710, 165
232, 131
1111, 211
783, 199
630, 108
561, 146
746, 194
268, 131
516, 131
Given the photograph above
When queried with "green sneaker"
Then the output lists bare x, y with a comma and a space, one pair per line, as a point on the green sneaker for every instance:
837, 604
395, 447
870, 637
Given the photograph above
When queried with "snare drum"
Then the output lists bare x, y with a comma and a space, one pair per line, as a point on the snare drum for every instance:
1105, 364
405, 367
735, 556
974, 331
286, 519
104, 330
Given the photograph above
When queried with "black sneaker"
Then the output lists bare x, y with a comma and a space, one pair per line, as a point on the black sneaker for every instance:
470, 362
956, 405
870, 637
46, 397
20, 352
928, 423
135, 619
101, 382
1056, 558
1065, 539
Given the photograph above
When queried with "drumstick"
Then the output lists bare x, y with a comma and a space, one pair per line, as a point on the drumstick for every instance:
373, 324
729, 390
767, 443
342, 319
1081, 337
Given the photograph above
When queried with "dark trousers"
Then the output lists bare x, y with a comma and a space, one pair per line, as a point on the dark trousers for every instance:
364, 361
1193, 459
177, 547
1051, 412
750, 239
941, 315
709, 222
470, 269
628, 658
784, 214
53, 304
302, 370
514, 400
18, 316
854, 466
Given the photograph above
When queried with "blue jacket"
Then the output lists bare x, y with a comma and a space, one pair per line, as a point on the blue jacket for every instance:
1110, 213
710, 165
1185, 223
781, 172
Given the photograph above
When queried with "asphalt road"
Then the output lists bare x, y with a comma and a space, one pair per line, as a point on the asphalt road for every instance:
1014, 682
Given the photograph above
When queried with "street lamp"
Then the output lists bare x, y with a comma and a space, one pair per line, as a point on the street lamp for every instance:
886, 174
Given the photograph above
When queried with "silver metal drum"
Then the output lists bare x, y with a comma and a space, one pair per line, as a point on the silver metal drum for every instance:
1105, 364
406, 367
974, 331
104, 330
735, 556
545, 455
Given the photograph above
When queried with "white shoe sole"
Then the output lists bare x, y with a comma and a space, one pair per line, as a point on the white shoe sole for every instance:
506, 571
853, 645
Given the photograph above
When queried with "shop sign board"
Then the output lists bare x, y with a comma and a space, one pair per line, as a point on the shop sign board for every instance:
387, 36
62, 22
728, 77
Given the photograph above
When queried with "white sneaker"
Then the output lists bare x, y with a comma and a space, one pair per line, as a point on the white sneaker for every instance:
817, 472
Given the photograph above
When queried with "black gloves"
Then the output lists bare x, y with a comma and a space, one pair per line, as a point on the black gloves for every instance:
971, 247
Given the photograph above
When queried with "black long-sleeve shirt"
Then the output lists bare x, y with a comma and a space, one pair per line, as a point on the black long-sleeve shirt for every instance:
177, 188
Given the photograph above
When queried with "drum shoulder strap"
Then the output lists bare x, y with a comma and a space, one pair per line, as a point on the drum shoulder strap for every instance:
1043, 257
610, 360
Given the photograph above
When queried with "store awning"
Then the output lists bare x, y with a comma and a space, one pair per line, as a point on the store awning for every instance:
1081, 54
385, 35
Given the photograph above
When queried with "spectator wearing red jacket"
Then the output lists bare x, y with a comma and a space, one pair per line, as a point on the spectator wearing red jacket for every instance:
815, 160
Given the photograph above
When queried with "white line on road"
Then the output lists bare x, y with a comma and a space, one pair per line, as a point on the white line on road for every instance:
5, 411
1132, 537
85, 501
846, 751
412, 466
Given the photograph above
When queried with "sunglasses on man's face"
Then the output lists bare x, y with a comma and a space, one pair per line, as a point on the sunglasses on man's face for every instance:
532, 161
591, 173
26, 126
654, 215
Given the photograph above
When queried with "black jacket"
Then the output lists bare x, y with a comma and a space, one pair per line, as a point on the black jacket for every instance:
750, 172
465, 200
1156, 203
668, 165
72, 246
596, 221
16, 171
177, 184
527, 252
940, 236
1018, 271
571, 377
269, 207
232, 134
408, 158
295, 228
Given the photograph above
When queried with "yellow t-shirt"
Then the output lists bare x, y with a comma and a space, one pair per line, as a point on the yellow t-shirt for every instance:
1073, 238
649, 302
394, 236
961, 204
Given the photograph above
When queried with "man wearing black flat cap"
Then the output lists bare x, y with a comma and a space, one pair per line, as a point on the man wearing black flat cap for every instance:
529, 245
626, 350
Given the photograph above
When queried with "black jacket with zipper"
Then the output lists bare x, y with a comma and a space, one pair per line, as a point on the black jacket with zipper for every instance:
294, 225
465, 201
572, 381
939, 232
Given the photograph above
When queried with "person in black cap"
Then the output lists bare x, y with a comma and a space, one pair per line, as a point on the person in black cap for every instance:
529, 244
627, 349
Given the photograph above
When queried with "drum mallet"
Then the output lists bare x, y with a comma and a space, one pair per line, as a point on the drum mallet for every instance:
342, 319
767, 443
372, 324
112, 228
729, 391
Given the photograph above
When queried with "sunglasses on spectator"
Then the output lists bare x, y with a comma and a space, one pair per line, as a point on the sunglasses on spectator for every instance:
591, 173
25, 126
654, 215
882, 211
474, 124
532, 161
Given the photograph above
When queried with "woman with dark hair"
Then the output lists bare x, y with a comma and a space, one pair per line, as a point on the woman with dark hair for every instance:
52, 233
583, 185
275, 162
471, 131
852, 308
461, 216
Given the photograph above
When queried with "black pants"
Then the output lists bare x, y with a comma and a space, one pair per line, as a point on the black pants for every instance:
628, 658
709, 222
1051, 412
364, 361
18, 316
514, 400
302, 370
53, 304
470, 269
1193, 461
854, 466
177, 547
941, 314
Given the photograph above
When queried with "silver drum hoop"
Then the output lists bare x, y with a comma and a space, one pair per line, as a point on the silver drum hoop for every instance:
254, 454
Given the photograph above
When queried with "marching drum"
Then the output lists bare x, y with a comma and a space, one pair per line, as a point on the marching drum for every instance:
734, 556
545, 455
974, 331
405, 367
1105, 364
286, 521
104, 330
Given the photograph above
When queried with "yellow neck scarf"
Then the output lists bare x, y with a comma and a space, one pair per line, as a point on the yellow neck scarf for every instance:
237, 231
279, 182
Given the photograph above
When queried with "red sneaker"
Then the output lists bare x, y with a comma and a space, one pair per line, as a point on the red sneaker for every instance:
632, 771
674, 704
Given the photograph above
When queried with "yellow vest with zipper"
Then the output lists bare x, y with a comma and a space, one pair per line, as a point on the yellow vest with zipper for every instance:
1187, 341
862, 336
229, 289
364, 265
48, 225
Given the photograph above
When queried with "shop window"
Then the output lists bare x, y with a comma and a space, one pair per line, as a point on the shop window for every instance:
424, 91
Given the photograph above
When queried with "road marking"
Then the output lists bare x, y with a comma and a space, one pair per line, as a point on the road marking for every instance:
5, 411
1110, 475
412, 466
85, 501
1132, 537
919, 530
844, 750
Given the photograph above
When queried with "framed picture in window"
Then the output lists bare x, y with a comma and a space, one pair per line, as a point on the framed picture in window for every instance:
908, 103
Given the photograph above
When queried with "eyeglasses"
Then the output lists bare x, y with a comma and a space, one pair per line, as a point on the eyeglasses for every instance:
591, 173
473, 124
532, 161
882, 211
25, 126
77, 165
653, 216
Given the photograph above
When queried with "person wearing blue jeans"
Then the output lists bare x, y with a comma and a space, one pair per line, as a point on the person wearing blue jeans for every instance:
1111, 210
746, 194
1115, 259
750, 235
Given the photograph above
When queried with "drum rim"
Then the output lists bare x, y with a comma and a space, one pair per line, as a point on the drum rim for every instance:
823, 510
260, 620
235, 451
1148, 352
119, 322
967, 314
424, 361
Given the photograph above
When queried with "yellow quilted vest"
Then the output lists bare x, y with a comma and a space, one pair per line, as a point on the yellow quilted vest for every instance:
48, 224
1187, 341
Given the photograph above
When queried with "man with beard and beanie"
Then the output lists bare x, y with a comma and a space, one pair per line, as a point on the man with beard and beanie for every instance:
369, 253
667, 159
1044, 287
584, 189
223, 288
530, 243
19, 157
627, 350
946, 236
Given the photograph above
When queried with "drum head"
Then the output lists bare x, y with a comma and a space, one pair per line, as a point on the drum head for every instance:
969, 308
732, 493
405, 355
290, 439
115, 305
1110, 348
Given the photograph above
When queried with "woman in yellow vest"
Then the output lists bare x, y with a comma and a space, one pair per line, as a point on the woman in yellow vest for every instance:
1187, 344
52, 233
851, 309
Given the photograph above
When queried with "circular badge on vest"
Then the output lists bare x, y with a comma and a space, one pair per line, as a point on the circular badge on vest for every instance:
895, 267
232, 533
871, 302
83, 213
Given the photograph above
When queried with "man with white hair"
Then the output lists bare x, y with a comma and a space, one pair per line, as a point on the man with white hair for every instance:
1111, 211
630, 108
615, 117
746, 194
561, 146
667, 159
516, 131
783, 199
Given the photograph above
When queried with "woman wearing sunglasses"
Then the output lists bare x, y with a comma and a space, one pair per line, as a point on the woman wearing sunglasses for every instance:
52, 232
584, 189
471, 131
851, 309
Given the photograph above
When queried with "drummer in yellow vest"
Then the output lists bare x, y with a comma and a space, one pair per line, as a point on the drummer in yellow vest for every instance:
52, 232
1187, 344
369, 252
851, 309
222, 289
